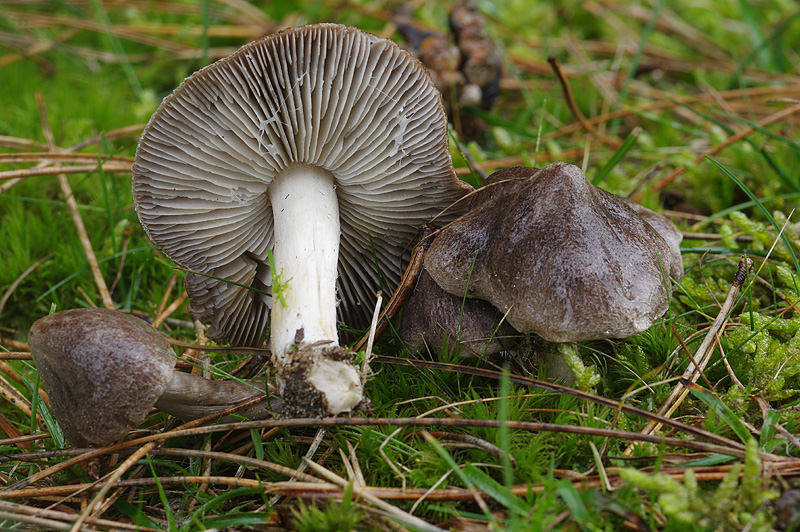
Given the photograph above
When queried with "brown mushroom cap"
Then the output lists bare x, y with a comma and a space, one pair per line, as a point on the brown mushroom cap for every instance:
565, 259
104, 371
432, 316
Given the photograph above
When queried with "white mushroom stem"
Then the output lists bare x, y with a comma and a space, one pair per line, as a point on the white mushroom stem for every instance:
306, 225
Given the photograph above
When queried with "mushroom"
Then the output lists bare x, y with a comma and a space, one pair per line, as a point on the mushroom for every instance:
433, 318
322, 143
104, 371
558, 256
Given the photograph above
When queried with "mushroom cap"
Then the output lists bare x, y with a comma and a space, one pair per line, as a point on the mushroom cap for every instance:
103, 369
432, 316
563, 258
666, 230
324, 95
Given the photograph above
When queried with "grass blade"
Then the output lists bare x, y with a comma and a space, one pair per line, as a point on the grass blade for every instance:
496, 491
763, 210
724, 411
626, 146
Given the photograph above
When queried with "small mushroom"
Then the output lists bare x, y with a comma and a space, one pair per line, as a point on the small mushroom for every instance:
322, 143
431, 316
560, 257
105, 370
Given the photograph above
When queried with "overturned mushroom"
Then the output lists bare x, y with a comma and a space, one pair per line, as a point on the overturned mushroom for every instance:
324, 143
105, 370
560, 257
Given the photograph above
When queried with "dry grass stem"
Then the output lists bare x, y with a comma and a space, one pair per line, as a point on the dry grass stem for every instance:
6, 368
16, 399
16, 143
167, 293
15, 345
703, 354
15, 355
75, 212
62, 157
240, 459
56, 170
371, 336
175, 305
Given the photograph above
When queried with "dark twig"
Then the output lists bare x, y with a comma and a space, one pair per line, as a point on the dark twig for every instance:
567, 90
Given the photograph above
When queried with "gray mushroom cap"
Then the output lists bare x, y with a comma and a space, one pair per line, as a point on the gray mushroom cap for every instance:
563, 258
104, 370
432, 317
326, 96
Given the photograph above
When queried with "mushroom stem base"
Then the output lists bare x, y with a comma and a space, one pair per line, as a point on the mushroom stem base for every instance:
318, 380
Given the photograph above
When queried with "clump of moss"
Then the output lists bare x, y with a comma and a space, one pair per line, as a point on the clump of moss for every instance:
734, 504
709, 291
764, 235
331, 516
585, 376
774, 344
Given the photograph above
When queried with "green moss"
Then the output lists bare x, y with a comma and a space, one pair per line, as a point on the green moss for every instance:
773, 344
586, 377
734, 504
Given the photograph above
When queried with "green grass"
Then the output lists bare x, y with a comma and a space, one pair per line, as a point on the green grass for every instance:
675, 78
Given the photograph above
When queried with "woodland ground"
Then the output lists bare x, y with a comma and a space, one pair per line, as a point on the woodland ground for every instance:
690, 107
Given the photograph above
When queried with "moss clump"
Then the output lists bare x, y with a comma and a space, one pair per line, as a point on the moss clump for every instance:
774, 344
764, 234
585, 377
734, 504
